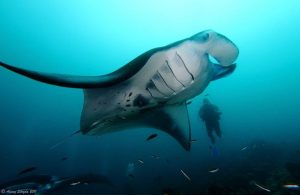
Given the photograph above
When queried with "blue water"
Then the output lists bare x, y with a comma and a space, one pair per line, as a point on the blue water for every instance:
259, 101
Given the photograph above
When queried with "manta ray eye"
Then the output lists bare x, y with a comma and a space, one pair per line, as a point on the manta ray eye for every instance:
140, 101
205, 37
201, 37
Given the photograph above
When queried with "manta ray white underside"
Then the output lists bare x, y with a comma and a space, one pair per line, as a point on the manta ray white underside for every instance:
151, 90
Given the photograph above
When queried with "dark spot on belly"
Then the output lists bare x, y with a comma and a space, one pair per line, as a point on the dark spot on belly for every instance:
130, 94
144, 110
127, 100
140, 101
127, 105
122, 117
162, 102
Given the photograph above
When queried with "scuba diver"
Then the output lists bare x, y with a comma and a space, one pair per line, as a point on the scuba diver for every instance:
210, 114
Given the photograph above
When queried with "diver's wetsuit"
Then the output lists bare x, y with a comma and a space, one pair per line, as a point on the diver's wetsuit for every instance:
210, 115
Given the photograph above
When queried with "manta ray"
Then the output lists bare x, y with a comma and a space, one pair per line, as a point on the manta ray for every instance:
150, 91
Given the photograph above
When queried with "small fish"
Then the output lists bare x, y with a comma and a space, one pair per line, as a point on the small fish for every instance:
142, 162
155, 156
30, 169
131, 176
214, 170
259, 186
193, 140
244, 148
151, 136
189, 102
185, 175
206, 94
292, 186
74, 183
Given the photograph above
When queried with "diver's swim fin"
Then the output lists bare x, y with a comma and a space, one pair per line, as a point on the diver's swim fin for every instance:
215, 152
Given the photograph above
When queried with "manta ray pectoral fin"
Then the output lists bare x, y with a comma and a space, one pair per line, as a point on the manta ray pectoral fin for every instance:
222, 71
85, 82
67, 80
174, 120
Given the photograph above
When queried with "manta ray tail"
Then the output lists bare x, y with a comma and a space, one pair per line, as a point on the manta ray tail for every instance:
63, 140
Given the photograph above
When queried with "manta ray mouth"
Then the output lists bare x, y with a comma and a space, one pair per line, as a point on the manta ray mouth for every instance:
220, 71
213, 60
218, 62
